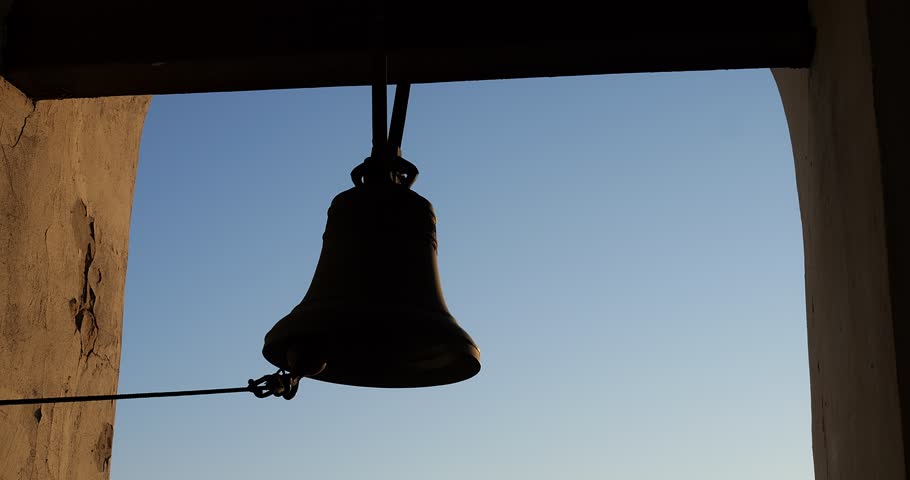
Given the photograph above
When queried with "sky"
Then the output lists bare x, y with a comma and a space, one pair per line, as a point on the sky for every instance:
625, 250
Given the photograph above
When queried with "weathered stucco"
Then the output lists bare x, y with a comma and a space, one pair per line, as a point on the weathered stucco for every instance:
67, 171
844, 114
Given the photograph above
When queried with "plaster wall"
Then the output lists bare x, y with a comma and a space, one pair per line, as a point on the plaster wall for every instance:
853, 202
67, 170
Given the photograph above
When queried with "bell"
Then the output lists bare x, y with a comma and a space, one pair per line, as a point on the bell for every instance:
374, 314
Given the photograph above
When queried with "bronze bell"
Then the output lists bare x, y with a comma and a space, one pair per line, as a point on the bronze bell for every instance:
374, 315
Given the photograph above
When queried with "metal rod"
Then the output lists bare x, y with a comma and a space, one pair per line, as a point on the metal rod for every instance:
399, 113
380, 103
123, 396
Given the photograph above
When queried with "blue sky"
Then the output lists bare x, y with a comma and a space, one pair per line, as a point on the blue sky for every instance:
625, 250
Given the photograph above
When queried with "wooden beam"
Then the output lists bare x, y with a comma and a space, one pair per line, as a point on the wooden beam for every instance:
78, 51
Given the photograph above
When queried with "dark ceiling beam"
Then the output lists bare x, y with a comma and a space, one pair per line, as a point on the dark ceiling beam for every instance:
95, 48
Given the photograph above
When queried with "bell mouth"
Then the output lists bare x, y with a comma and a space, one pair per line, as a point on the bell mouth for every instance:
385, 369
430, 351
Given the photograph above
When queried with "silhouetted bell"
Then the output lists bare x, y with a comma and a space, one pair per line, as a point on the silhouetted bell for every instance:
374, 314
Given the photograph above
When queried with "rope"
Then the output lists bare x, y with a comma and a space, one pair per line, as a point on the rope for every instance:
124, 396
277, 384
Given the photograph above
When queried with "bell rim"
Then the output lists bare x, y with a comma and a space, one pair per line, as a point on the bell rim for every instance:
463, 364
470, 366
342, 344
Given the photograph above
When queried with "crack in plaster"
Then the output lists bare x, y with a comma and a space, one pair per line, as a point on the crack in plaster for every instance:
24, 123
103, 448
83, 309
9, 169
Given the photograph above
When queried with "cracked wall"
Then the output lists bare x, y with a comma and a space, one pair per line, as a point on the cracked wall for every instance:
67, 170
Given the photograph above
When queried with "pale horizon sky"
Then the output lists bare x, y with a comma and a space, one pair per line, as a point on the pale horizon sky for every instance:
625, 250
